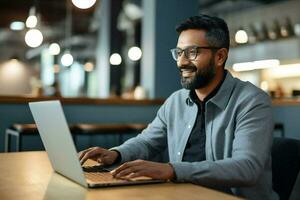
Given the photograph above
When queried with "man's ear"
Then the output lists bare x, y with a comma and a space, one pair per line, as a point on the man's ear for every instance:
221, 56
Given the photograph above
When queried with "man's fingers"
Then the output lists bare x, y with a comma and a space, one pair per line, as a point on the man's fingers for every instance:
125, 172
128, 173
121, 168
128, 164
82, 153
84, 158
137, 174
105, 159
127, 169
90, 154
140, 168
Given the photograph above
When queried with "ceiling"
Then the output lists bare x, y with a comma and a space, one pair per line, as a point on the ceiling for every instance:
221, 7
52, 13
83, 30
52, 23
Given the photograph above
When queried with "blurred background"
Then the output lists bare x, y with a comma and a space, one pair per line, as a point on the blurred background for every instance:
120, 48
109, 61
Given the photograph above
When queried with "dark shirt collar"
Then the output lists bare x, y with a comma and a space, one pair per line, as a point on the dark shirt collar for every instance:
193, 96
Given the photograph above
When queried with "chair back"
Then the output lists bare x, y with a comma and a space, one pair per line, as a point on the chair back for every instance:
285, 165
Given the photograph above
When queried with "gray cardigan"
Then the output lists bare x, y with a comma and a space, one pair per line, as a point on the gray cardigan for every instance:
238, 124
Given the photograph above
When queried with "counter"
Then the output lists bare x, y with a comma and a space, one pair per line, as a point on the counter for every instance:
286, 102
80, 100
14, 109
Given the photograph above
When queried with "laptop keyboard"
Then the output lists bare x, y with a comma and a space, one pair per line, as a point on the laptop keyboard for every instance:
102, 177
98, 174
95, 168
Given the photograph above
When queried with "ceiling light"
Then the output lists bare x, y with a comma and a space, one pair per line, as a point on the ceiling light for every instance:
263, 64
13, 69
67, 59
133, 11
54, 49
297, 29
17, 26
31, 21
135, 53
88, 66
260, 64
115, 59
286, 71
245, 66
241, 37
34, 38
83, 4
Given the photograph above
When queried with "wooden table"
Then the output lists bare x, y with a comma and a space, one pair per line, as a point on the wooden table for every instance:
29, 175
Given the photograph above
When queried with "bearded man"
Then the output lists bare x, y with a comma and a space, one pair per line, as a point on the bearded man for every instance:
217, 129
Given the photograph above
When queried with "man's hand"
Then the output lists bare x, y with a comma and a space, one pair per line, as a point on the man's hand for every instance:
103, 156
138, 168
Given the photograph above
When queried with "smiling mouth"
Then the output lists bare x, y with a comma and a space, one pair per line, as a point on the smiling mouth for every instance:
187, 72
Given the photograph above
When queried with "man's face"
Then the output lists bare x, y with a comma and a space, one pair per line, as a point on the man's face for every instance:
197, 73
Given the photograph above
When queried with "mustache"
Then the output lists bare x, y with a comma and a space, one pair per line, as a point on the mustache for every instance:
188, 68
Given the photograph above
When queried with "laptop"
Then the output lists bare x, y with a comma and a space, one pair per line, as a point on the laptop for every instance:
56, 137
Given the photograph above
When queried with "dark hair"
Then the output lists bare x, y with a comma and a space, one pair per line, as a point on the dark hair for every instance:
217, 33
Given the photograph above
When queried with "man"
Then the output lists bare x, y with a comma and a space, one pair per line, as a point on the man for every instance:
218, 129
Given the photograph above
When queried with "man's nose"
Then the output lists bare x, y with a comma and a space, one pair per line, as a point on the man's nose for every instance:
182, 60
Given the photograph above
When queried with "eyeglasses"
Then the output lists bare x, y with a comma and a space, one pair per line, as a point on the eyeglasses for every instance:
190, 52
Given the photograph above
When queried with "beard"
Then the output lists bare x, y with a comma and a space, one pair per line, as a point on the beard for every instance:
201, 79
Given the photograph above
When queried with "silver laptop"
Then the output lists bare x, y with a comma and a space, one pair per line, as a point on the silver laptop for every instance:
58, 142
